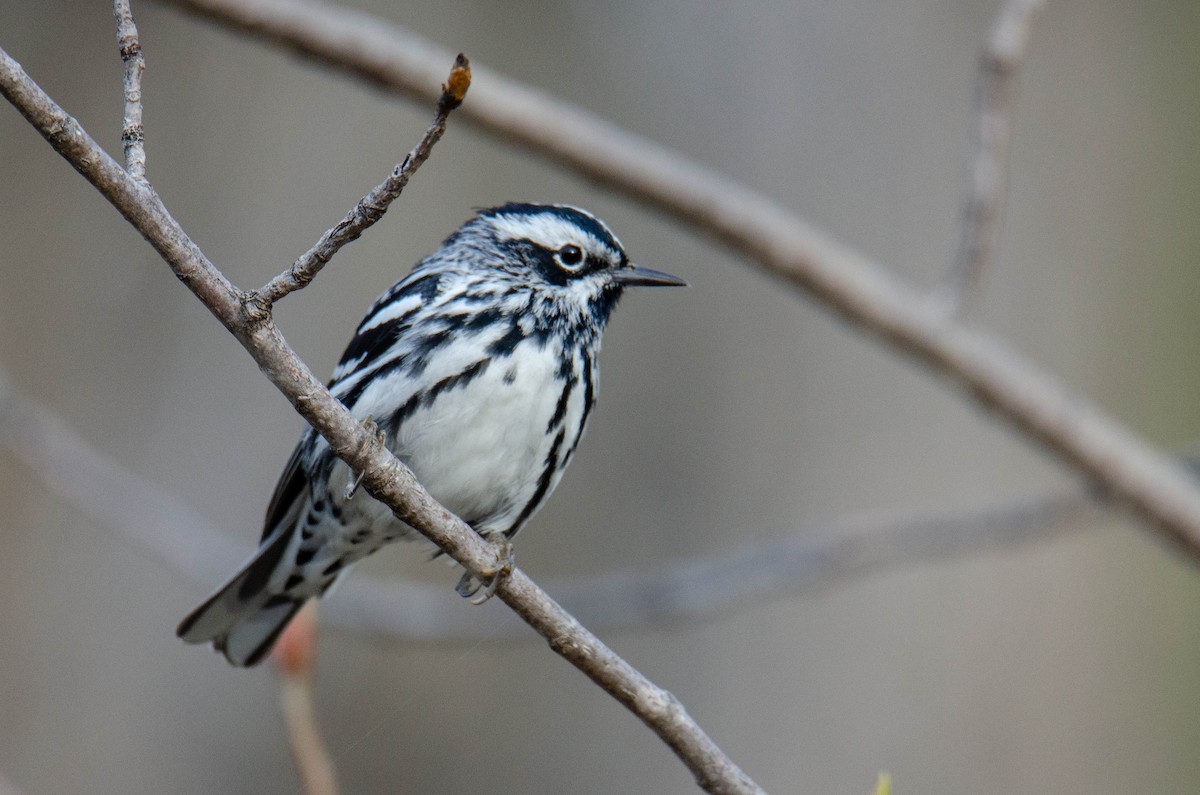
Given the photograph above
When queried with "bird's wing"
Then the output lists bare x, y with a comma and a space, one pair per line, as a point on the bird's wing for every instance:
290, 488
391, 315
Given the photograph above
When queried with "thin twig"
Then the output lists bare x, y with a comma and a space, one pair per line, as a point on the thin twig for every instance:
866, 295
815, 555
384, 476
372, 206
133, 133
998, 68
294, 656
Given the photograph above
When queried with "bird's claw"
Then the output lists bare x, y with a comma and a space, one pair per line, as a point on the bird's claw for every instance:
380, 438
488, 580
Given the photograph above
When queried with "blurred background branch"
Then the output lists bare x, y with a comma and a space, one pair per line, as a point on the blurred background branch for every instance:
294, 657
812, 556
988, 373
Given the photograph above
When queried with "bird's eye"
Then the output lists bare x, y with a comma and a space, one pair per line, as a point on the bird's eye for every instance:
570, 256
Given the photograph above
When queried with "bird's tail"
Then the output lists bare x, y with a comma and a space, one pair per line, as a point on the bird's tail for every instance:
243, 619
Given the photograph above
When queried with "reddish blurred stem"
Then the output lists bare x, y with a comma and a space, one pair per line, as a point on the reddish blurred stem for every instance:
295, 657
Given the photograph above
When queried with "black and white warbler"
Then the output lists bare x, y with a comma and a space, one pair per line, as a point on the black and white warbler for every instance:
480, 370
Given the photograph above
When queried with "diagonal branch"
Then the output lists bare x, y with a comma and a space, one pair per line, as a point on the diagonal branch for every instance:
133, 134
866, 295
994, 96
383, 475
371, 207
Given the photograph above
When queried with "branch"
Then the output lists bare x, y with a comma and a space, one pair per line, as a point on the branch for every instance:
110, 494
133, 134
994, 98
990, 374
817, 555
372, 206
294, 656
383, 476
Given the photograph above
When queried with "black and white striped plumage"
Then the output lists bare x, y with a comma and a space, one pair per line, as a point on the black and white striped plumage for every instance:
480, 370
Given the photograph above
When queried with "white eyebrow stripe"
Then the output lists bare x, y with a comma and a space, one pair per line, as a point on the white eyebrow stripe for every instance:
545, 230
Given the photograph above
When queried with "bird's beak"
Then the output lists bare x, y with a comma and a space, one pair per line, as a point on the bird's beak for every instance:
647, 277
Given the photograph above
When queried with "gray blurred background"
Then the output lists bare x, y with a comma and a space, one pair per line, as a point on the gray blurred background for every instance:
731, 414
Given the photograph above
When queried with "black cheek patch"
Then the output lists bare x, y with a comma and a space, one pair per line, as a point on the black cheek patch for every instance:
544, 263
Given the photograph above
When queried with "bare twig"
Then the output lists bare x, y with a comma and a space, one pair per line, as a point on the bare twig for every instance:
294, 656
372, 206
383, 475
998, 67
866, 295
133, 134
818, 554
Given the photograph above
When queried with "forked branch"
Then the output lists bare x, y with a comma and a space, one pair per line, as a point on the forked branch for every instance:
383, 475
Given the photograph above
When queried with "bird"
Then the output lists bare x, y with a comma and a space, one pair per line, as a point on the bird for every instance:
479, 370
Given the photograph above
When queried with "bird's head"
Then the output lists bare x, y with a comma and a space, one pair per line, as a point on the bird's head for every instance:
568, 261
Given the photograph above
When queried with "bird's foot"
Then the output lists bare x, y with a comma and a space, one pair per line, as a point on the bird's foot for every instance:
380, 438
488, 580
